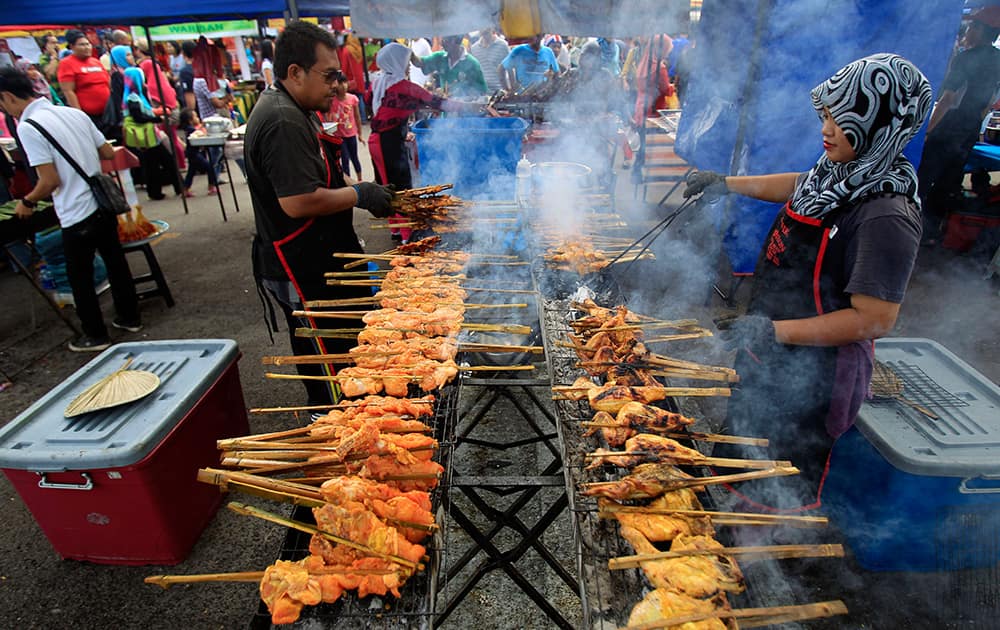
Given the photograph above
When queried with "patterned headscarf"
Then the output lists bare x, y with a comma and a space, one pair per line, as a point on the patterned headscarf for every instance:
880, 102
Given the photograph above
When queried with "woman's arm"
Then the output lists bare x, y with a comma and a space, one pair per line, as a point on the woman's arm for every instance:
777, 187
866, 318
69, 91
268, 76
357, 121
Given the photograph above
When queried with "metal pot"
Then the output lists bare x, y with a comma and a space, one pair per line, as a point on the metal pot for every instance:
559, 177
992, 132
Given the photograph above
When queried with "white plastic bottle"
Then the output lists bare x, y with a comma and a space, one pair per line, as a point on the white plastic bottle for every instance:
523, 190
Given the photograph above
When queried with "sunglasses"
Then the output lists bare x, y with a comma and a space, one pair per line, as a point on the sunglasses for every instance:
330, 76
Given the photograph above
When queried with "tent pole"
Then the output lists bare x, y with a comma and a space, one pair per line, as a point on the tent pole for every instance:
171, 135
293, 9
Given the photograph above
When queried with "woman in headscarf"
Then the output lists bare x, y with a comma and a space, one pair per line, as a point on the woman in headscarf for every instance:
830, 277
652, 79
141, 135
394, 98
38, 82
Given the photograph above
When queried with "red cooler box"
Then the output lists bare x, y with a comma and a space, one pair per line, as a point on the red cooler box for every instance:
119, 486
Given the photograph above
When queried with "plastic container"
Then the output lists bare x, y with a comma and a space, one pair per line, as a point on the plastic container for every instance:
963, 229
119, 486
911, 492
478, 155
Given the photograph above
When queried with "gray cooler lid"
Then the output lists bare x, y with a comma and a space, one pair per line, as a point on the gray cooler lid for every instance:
965, 439
42, 439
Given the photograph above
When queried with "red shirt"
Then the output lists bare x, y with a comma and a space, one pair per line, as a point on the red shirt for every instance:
352, 69
93, 84
169, 94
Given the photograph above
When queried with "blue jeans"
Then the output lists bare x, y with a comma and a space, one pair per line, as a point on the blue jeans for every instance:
198, 163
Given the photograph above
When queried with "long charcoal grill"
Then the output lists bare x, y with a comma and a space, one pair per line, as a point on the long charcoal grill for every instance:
490, 509
608, 596
415, 608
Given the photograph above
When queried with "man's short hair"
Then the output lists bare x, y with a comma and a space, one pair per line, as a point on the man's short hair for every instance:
188, 48
120, 37
72, 35
297, 45
16, 82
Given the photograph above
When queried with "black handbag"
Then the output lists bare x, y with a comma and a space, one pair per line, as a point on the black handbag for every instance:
109, 196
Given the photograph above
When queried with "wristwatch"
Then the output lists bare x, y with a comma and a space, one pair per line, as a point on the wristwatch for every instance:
30, 205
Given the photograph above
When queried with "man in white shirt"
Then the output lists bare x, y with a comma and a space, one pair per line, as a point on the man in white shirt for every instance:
85, 230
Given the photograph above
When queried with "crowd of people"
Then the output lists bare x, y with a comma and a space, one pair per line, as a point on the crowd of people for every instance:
136, 94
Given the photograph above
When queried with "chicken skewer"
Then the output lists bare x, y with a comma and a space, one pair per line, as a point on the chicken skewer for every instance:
646, 447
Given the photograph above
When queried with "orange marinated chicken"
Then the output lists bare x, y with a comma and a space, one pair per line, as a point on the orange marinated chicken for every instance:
360, 525
665, 527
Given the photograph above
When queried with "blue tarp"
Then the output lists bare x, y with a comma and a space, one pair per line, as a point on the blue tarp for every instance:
157, 11
748, 111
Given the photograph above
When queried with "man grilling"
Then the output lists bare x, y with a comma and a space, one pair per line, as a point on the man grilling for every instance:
302, 201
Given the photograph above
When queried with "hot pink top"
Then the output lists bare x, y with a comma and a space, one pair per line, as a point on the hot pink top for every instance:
342, 112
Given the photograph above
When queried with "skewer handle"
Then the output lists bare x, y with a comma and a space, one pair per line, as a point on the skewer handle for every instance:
166, 581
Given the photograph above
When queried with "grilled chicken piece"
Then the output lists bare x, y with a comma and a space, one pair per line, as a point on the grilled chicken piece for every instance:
647, 481
631, 376
665, 604
702, 576
665, 527
356, 523
286, 588
648, 448
612, 397
388, 469
634, 416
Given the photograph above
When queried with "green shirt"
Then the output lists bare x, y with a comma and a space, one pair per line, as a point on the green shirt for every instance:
465, 78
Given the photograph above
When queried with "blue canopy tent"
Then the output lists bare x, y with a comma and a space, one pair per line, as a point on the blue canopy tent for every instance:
164, 11
748, 112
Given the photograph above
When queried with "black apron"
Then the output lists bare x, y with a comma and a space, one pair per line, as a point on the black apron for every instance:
784, 391
306, 255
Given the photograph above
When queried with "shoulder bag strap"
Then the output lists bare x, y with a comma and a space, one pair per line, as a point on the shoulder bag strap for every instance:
59, 148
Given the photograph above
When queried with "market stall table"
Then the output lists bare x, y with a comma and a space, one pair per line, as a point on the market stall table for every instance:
218, 140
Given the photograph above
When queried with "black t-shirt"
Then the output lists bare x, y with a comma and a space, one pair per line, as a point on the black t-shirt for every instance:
974, 74
187, 79
876, 243
283, 158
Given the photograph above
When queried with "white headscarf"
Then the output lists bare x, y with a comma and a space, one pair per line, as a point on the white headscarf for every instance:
392, 60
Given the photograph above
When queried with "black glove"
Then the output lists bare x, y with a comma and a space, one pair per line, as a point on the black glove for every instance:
374, 198
712, 184
750, 332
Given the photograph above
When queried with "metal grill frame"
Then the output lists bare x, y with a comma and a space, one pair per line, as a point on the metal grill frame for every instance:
920, 388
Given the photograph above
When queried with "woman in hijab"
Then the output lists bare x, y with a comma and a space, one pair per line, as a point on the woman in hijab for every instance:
142, 136
652, 79
38, 82
830, 277
394, 98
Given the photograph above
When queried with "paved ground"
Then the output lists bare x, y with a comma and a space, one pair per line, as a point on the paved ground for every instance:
207, 264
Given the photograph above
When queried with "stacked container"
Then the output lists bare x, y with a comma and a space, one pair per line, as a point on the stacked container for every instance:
119, 486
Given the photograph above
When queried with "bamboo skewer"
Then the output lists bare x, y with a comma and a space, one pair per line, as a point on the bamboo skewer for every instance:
666, 391
775, 519
697, 437
513, 329
753, 617
722, 462
247, 510
388, 256
166, 581
777, 552
223, 478
695, 482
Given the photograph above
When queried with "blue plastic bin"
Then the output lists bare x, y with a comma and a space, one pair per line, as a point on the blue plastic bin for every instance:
478, 155
914, 493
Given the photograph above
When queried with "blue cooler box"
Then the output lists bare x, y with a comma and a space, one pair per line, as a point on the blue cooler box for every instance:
478, 155
913, 493
119, 485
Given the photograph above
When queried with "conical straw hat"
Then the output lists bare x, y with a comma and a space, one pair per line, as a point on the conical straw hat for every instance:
120, 387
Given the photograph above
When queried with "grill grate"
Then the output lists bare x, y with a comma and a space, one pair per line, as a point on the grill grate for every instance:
416, 607
920, 388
